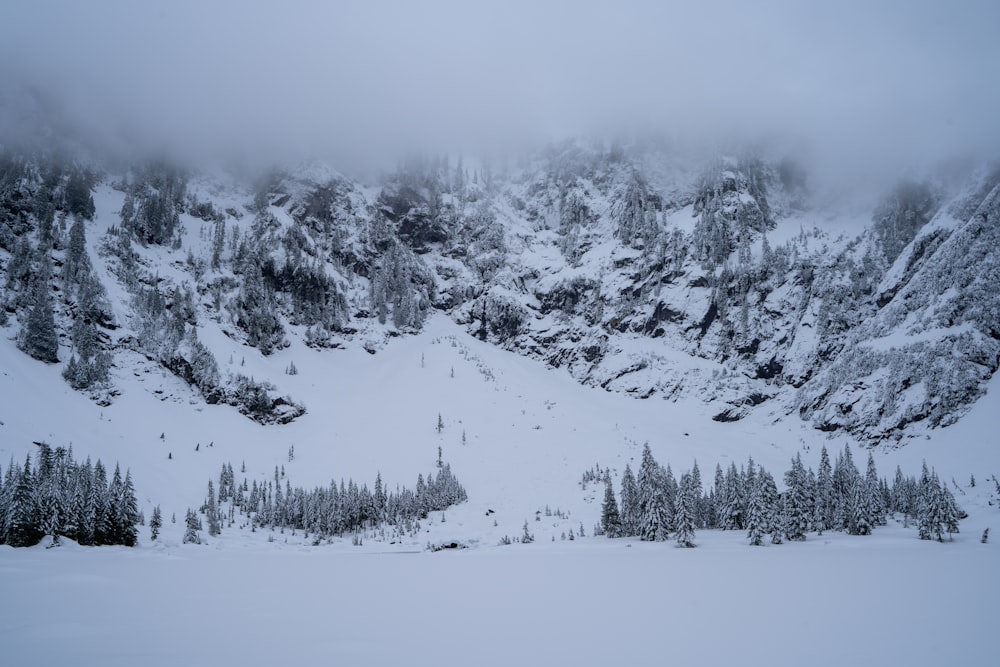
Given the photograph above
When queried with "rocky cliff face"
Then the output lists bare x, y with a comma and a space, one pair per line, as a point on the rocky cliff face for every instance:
638, 271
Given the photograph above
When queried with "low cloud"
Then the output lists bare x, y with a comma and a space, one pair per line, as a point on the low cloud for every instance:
358, 82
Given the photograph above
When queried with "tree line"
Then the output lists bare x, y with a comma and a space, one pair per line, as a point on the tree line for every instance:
323, 512
654, 505
61, 497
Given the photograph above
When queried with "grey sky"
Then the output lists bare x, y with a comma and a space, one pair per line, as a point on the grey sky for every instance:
349, 79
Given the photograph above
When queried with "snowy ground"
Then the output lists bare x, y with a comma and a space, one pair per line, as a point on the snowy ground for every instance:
530, 432
842, 601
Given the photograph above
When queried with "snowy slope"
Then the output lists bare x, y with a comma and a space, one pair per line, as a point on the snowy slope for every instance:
579, 258
530, 431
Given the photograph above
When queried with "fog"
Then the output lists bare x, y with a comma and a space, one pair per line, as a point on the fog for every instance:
366, 82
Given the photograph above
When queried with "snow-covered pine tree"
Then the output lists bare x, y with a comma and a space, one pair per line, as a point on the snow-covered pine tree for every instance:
77, 197
380, 499
654, 525
862, 515
649, 487
798, 504
684, 512
630, 503
191, 527
900, 493
761, 508
670, 487
610, 518
123, 509
22, 529
212, 512
844, 474
116, 515
731, 517
951, 512
526, 536
38, 336
155, 523
874, 488
824, 494
929, 506
701, 508
717, 496
256, 309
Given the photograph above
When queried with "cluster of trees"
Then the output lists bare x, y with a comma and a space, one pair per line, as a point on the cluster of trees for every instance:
654, 505
58, 496
299, 288
902, 214
314, 297
43, 197
153, 201
636, 215
402, 285
732, 209
324, 511
89, 362
42, 189
166, 322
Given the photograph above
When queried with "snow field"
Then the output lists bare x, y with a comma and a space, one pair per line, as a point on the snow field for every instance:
593, 602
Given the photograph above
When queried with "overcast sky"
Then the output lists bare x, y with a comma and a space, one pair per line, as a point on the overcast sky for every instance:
341, 79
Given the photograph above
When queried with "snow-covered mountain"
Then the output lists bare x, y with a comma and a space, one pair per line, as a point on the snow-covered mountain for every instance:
306, 341
636, 270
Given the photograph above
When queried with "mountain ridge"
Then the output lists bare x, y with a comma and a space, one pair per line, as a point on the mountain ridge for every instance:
617, 264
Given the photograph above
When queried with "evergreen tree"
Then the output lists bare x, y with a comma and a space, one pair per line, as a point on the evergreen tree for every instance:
38, 337
155, 523
526, 537
670, 488
258, 311
123, 512
5, 489
862, 515
718, 495
116, 510
824, 494
380, 499
191, 527
929, 510
731, 516
610, 519
762, 508
900, 493
649, 488
99, 507
798, 505
630, 503
951, 512
19, 270
22, 527
701, 509
218, 241
76, 263
212, 512
844, 475
654, 525
874, 489
684, 511
79, 202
